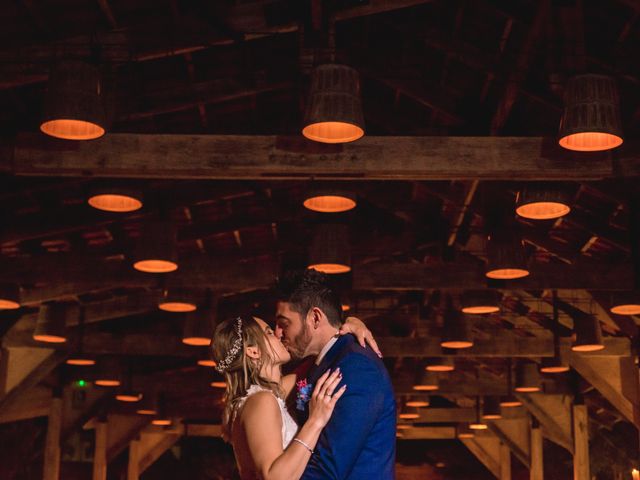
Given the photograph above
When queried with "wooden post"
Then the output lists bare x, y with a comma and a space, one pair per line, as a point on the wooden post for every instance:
537, 463
505, 462
581, 443
100, 452
133, 470
52, 442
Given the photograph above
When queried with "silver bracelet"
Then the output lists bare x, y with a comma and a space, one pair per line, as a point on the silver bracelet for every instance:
304, 445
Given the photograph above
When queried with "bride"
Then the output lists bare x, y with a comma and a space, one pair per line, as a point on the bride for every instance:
266, 440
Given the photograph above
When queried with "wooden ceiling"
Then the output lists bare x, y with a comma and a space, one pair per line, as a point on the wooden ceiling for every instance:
205, 100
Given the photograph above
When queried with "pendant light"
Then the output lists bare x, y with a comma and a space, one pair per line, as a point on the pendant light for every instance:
625, 303
542, 202
409, 413
79, 358
491, 408
588, 334
52, 321
115, 198
477, 302
456, 330
109, 373
506, 257
9, 296
128, 394
178, 300
330, 251
73, 108
555, 364
426, 382
199, 325
478, 424
156, 248
440, 364
417, 402
527, 377
148, 405
334, 107
329, 200
464, 432
162, 419
591, 117
510, 400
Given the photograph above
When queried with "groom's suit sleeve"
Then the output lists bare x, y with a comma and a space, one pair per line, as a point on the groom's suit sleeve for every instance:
356, 412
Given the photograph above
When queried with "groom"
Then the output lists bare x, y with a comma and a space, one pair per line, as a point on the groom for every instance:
359, 440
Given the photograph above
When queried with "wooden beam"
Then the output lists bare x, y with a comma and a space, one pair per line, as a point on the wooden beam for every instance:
514, 433
615, 378
553, 411
581, 443
153, 445
536, 470
505, 462
486, 448
34, 403
133, 472
52, 442
414, 276
428, 433
100, 451
260, 157
122, 429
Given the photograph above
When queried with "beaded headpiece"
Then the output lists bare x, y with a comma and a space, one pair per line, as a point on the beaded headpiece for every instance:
234, 350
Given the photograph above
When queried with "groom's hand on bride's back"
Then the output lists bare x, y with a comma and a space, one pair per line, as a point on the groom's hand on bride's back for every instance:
324, 397
358, 329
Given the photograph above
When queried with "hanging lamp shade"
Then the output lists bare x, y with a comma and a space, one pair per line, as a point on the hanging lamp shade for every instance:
553, 365
218, 384
506, 257
330, 251
510, 401
440, 364
78, 358
464, 432
588, 334
109, 373
115, 199
9, 296
491, 408
156, 248
625, 303
409, 413
334, 107
527, 378
329, 200
591, 118
480, 301
426, 382
206, 362
178, 300
417, 402
129, 396
456, 332
199, 325
52, 321
73, 108
542, 202
148, 405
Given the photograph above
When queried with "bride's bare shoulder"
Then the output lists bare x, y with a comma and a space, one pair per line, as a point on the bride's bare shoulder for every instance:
258, 405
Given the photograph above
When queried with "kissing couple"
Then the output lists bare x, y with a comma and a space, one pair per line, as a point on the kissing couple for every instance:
344, 404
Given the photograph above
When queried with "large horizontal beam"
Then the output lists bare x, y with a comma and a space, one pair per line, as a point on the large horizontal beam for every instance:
261, 157
498, 346
415, 276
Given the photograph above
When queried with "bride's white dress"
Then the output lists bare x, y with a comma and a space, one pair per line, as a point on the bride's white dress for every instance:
289, 425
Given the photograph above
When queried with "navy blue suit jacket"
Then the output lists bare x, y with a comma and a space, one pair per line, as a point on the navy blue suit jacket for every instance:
359, 442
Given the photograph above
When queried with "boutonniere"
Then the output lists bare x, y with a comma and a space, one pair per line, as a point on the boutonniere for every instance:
303, 394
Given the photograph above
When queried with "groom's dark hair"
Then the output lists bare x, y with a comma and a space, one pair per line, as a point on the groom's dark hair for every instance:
305, 289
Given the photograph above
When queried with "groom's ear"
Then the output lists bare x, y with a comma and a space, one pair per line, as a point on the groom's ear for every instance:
317, 317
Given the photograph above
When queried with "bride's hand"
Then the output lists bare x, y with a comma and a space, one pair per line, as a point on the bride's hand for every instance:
356, 327
323, 400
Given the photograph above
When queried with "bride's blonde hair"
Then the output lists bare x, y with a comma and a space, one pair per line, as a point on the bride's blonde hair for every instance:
240, 371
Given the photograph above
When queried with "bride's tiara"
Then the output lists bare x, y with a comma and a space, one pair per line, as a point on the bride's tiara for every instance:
234, 350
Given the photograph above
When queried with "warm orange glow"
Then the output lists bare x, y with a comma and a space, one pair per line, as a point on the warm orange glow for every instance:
179, 307
197, 341
626, 309
527, 389
403, 426
511, 403
146, 411
425, 388
81, 362
332, 132
49, 338
155, 266
112, 202
107, 383
587, 348
206, 363
409, 416
590, 141
480, 309
635, 474
466, 435
457, 344
331, 268
329, 203
129, 398
555, 369
507, 273
543, 210
70, 129
218, 384
439, 368
8, 304
161, 422
492, 416
345, 307
478, 426
417, 403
